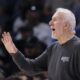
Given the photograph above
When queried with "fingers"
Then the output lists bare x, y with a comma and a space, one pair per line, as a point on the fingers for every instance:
8, 43
8, 34
2, 40
6, 37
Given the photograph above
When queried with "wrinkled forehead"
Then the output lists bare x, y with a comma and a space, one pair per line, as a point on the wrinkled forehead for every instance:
59, 15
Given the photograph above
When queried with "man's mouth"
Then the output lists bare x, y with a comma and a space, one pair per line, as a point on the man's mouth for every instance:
53, 29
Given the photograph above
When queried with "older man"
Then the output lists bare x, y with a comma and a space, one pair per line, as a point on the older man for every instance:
62, 59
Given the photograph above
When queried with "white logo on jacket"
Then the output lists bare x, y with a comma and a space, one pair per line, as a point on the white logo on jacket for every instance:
65, 59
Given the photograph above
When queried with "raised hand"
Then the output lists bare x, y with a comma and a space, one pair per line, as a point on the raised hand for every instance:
8, 43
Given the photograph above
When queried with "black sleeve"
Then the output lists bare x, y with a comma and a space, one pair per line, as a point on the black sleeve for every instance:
76, 63
31, 66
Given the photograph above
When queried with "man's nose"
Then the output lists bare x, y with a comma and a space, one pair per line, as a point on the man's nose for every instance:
50, 23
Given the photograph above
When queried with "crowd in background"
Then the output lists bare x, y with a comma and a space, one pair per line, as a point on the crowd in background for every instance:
27, 21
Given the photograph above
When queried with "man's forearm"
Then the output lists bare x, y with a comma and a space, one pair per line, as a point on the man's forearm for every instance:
24, 64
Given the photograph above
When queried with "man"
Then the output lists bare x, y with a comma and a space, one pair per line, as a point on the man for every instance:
62, 58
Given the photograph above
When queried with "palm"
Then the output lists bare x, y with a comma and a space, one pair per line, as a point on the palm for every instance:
8, 43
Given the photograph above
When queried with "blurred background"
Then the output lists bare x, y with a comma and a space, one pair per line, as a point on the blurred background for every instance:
27, 21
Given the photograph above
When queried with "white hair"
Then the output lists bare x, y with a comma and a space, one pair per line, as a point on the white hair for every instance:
68, 16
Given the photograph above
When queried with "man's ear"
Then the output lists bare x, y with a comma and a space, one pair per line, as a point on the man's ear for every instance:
66, 26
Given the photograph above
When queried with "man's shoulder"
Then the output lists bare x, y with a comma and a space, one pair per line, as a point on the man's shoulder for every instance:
77, 43
54, 44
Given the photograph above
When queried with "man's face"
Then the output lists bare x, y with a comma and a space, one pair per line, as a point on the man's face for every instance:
57, 25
